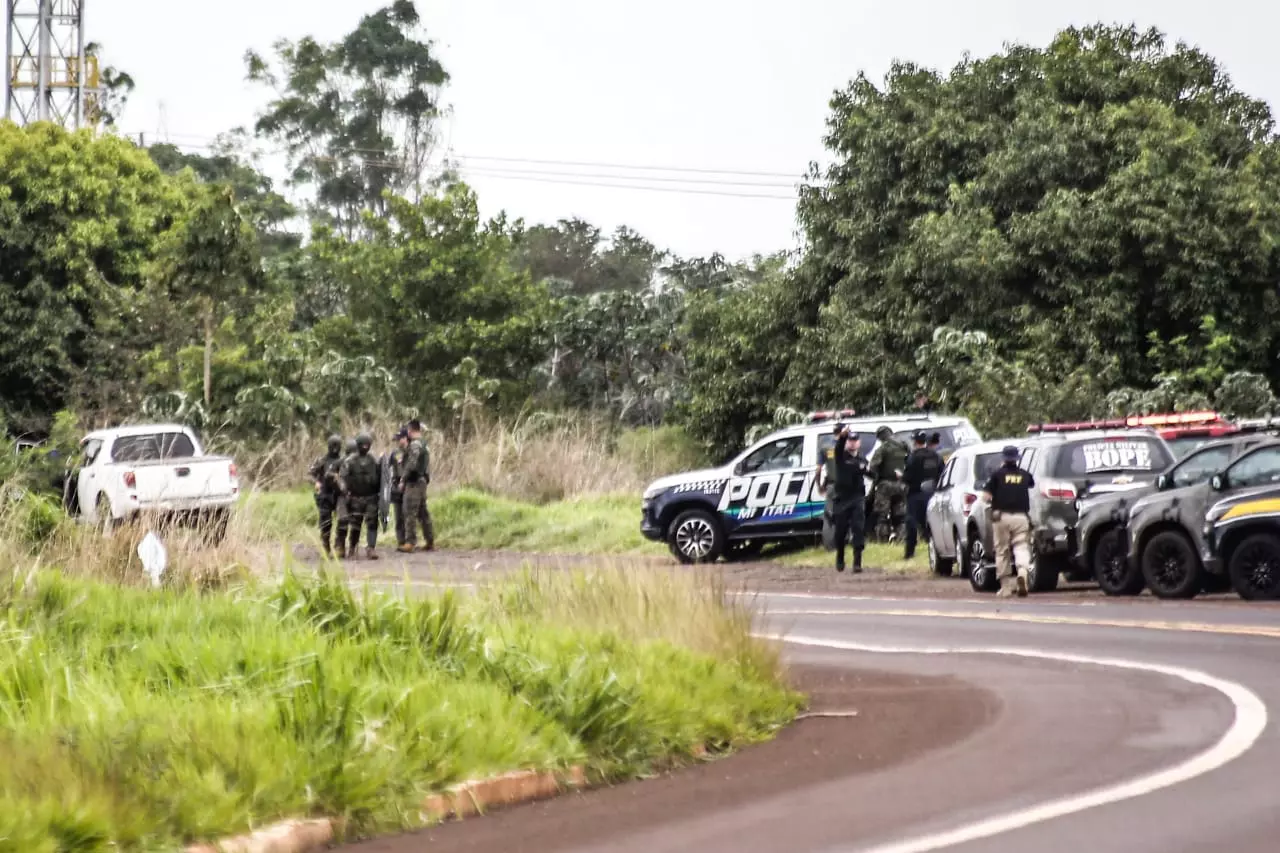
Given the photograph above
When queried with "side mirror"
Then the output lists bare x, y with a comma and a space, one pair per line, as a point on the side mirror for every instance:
737, 469
1162, 482
1218, 482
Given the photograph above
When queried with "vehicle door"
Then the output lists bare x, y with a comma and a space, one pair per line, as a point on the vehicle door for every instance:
86, 478
942, 508
772, 486
1200, 465
1261, 467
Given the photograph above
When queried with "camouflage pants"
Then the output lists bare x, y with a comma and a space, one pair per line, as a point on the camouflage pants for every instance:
889, 507
353, 513
416, 514
326, 505
397, 513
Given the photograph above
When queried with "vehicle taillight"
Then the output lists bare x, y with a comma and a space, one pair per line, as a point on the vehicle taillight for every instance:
234, 473
969, 500
130, 480
1058, 491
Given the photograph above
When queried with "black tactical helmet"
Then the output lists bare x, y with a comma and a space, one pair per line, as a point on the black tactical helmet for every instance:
335, 445
920, 437
883, 433
351, 445
363, 442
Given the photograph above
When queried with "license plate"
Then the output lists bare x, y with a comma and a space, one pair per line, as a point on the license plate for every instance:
1122, 480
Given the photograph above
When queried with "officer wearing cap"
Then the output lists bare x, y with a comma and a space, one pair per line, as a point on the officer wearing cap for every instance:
845, 514
923, 467
1009, 494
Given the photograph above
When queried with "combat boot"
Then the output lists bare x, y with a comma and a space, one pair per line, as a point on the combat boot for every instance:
370, 553
406, 548
857, 561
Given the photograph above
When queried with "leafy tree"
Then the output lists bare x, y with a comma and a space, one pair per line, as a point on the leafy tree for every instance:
214, 266
573, 257
81, 220
106, 105
1077, 198
433, 284
472, 392
356, 116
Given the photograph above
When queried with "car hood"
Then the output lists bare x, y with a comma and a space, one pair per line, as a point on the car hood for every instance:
1251, 494
705, 478
1106, 498
1159, 500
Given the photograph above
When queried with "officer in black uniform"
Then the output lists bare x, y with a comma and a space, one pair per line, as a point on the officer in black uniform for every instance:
846, 509
1009, 493
921, 475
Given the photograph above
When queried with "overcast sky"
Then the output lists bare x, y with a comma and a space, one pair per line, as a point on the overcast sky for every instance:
696, 84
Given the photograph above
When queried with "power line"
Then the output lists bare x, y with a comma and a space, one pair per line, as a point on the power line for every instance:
678, 190
541, 162
658, 178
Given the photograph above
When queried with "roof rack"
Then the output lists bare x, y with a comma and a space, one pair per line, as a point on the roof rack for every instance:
819, 417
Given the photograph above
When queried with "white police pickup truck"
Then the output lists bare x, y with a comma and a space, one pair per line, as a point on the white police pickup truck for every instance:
153, 469
770, 491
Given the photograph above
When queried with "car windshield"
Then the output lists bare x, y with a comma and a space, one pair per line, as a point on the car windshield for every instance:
1119, 455
1186, 445
952, 437
1200, 466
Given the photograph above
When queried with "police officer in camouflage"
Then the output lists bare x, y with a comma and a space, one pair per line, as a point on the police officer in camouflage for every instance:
324, 475
393, 481
360, 479
417, 473
888, 463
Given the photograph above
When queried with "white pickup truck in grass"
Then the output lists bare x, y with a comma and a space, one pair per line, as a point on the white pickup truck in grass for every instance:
151, 469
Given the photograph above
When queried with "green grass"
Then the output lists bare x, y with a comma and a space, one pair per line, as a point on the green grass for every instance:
140, 720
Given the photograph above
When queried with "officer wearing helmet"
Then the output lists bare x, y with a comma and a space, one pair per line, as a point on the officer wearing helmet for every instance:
324, 477
360, 482
888, 463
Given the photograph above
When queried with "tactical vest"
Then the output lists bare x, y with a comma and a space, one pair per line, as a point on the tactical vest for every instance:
362, 476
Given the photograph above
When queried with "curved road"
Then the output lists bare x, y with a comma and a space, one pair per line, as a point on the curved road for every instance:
1118, 728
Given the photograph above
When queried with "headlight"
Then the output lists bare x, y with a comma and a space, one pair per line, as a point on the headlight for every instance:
652, 492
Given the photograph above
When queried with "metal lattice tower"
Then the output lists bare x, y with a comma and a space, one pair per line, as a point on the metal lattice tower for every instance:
48, 75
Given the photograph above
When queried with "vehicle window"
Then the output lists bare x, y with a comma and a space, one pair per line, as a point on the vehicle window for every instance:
780, 455
1127, 455
827, 440
1200, 466
984, 466
1257, 469
1186, 445
152, 447
1027, 458
91, 449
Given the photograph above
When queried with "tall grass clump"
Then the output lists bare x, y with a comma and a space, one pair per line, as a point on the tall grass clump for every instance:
140, 719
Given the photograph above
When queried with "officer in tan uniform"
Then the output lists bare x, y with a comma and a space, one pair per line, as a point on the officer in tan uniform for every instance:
1009, 494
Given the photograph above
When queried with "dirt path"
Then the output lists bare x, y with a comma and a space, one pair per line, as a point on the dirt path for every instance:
899, 718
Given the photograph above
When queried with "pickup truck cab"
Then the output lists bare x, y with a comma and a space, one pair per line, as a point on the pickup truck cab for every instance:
1242, 542
152, 469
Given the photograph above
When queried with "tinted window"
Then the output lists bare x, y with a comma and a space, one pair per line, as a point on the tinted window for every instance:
1184, 446
952, 437
1127, 455
1200, 466
91, 449
1257, 469
984, 466
152, 447
779, 455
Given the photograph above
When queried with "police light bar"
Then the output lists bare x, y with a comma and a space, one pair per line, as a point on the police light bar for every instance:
819, 417
1078, 427
1175, 419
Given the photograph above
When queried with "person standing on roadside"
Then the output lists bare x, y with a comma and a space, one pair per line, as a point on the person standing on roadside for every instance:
324, 477
1009, 494
887, 465
846, 508
923, 467
360, 479
392, 482
417, 473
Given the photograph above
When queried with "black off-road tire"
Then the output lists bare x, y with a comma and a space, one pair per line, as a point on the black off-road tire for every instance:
1171, 567
1254, 568
1113, 573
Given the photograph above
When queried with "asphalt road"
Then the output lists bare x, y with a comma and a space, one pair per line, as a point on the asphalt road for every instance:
1116, 726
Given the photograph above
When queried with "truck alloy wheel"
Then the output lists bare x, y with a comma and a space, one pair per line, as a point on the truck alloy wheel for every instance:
1170, 566
1255, 568
696, 538
1111, 569
982, 575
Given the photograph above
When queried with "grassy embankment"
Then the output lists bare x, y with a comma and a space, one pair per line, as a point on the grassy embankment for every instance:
137, 719
568, 489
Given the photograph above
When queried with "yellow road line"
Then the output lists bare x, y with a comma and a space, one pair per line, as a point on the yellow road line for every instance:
1198, 627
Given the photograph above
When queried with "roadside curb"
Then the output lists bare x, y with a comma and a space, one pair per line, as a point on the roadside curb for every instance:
460, 801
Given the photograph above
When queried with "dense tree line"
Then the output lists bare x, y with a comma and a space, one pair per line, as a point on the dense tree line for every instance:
1081, 229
